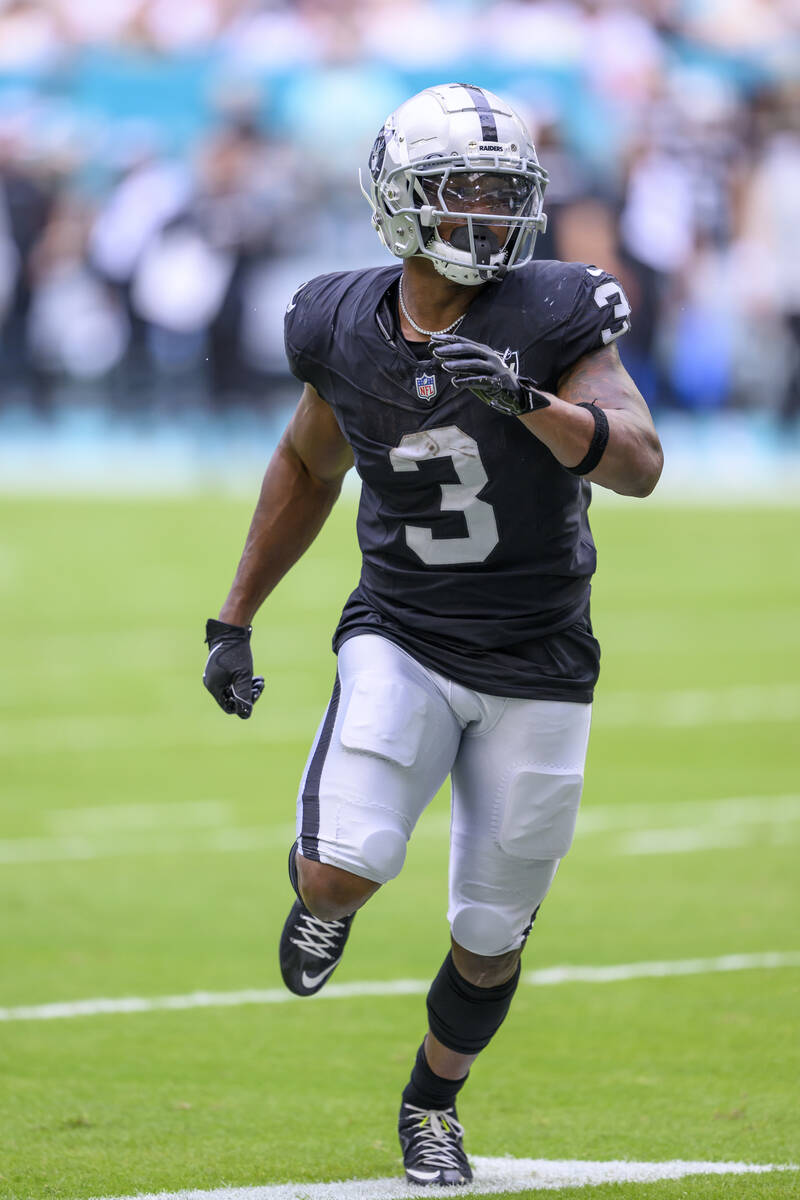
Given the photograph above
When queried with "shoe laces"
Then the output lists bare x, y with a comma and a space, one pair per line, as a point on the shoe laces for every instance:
317, 937
437, 1136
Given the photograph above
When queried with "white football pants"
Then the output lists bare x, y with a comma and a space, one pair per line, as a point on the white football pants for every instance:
394, 730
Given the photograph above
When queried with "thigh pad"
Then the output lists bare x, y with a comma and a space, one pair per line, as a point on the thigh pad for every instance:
539, 813
386, 718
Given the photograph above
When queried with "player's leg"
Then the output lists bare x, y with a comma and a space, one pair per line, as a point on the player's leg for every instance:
516, 788
329, 892
315, 931
494, 977
384, 748
465, 1014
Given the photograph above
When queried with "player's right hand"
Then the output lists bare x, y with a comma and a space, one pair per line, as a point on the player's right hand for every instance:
229, 668
491, 376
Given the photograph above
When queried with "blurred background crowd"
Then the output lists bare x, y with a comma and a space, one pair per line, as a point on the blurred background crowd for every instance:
171, 170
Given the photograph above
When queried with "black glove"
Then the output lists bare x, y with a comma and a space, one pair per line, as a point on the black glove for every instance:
229, 668
489, 374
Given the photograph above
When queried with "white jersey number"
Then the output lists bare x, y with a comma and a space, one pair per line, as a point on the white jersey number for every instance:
604, 293
482, 537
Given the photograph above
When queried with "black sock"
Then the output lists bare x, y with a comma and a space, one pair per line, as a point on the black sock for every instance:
428, 1090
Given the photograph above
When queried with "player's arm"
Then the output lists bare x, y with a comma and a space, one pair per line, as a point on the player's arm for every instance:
617, 447
301, 484
632, 459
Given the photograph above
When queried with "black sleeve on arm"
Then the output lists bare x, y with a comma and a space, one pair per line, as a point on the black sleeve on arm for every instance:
600, 314
297, 334
307, 332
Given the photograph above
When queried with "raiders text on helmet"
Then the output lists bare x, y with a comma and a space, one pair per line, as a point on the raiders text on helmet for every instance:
453, 176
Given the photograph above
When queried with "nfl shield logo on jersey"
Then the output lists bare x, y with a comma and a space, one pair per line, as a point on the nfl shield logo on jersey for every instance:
426, 386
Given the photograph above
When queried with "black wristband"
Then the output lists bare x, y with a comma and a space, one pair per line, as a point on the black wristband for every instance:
598, 443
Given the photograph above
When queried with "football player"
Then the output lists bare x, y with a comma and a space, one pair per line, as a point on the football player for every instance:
479, 394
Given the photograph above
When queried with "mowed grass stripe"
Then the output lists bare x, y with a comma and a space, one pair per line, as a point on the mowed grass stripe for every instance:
544, 977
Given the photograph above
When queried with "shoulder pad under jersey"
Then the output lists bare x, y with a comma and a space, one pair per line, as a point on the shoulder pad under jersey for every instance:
321, 309
598, 315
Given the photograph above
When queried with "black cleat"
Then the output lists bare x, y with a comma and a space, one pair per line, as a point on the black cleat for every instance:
310, 949
432, 1145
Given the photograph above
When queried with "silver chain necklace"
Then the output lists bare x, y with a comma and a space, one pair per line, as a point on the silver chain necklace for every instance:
413, 323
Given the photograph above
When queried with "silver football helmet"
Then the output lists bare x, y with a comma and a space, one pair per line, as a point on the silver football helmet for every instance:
454, 177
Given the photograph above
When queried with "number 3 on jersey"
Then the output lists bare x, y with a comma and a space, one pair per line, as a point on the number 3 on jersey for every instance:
604, 293
482, 536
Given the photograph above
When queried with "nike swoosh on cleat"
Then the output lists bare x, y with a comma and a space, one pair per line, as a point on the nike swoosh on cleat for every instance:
310, 981
422, 1174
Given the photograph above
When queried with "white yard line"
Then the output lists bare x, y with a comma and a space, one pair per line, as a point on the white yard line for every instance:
130, 830
120, 818
741, 703
755, 809
544, 977
696, 838
147, 731
682, 709
148, 650
694, 826
187, 827
492, 1176
769, 960
86, 848
723, 811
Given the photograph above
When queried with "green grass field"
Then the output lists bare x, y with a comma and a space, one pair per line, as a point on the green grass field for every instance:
144, 837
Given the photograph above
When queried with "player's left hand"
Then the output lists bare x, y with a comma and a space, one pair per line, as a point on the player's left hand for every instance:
229, 668
490, 375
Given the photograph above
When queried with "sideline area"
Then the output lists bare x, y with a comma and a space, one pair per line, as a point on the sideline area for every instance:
730, 458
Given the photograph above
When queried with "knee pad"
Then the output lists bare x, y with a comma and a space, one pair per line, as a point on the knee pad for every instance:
383, 854
491, 919
484, 930
464, 1017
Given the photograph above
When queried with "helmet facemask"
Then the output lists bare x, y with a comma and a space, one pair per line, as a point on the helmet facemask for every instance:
477, 224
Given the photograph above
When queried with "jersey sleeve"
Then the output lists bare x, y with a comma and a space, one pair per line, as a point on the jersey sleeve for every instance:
600, 314
298, 334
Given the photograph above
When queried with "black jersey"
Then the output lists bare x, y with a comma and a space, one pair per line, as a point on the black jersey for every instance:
477, 551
